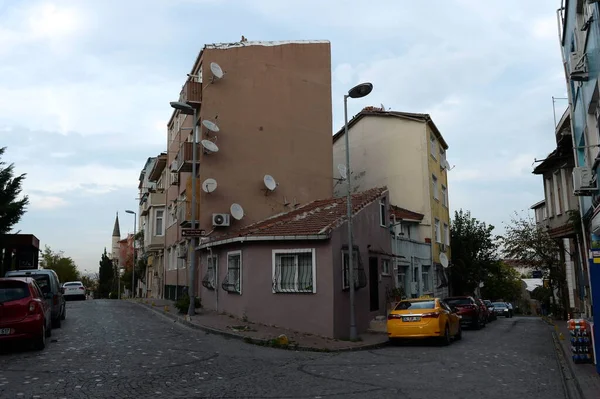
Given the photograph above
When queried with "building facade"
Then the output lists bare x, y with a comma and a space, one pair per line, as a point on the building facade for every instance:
271, 105
407, 153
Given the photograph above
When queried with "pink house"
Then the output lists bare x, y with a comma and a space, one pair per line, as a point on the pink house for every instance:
291, 270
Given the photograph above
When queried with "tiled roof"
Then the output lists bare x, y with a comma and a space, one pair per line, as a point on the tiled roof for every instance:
315, 218
402, 213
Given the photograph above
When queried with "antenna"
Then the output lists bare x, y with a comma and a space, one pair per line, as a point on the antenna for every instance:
237, 212
209, 146
270, 182
444, 260
209, 185
343, 171
216, 71
210, 126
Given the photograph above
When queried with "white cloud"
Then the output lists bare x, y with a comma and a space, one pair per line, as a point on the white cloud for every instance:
46, 202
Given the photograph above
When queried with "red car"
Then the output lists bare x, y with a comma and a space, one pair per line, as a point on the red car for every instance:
469, 310
25, 313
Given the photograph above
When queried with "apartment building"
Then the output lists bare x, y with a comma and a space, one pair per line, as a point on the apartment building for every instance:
407, 153
152, 227
271, 105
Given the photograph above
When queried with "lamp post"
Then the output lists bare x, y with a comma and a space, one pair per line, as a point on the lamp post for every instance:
189, 110
133, 266
358, 91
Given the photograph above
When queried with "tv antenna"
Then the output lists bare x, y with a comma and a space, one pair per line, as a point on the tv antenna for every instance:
209, 185
237, 212
209, 146
211, 126
270, 183
217, 71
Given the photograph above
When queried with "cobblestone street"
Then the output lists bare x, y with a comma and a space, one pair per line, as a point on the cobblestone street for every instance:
117, 349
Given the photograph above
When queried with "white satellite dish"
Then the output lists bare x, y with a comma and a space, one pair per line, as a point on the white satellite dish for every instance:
209, 185
343, 171
237, 212
210, 126
216, 70
209, 145
444, 260
270, 182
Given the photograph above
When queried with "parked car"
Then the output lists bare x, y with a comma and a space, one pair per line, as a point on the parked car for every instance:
49, 283
492, 314
501, 309
25, 311
74, 290
468, 309
484, 309
424, 318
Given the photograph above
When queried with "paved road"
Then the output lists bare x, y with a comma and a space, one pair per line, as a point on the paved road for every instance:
117, 349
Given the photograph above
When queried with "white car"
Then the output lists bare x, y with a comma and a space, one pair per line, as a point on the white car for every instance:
74, 290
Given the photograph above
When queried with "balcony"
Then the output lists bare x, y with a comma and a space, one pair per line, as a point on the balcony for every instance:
152, 198
191, 93
184, 213
184, 157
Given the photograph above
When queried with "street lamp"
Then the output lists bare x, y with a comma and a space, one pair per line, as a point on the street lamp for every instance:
133, 267
358, 91
189, 110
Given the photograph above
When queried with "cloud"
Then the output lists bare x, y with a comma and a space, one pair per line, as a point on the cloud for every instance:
46, 202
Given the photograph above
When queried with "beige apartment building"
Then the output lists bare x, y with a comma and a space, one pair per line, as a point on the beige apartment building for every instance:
272, 107
407, 153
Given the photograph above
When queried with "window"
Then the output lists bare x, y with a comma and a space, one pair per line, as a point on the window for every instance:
565, 191
438, 233
557, 194
446, 234
434, 186
425, 278
401, 278
433, 146
345, 269
444, 196
382, 213
385, 266
294, 270
544, 213
210, 281
233, 281
159, 225
548, 185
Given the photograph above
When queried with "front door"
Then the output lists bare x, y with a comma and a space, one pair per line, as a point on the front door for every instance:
374, 284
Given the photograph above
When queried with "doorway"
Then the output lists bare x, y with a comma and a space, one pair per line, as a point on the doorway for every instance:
374, 284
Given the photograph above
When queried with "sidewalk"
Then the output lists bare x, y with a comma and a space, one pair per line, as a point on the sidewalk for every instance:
259, 334
587, 380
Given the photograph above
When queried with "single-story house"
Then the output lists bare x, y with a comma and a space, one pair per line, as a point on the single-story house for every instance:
291, 270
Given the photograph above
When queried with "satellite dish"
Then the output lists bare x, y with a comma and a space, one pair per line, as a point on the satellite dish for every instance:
210, 126
216, 70
343, 171
237, 212
209, 185
444, 260
209, 145
270, 182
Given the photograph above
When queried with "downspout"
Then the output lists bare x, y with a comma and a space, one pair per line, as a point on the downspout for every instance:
580, 201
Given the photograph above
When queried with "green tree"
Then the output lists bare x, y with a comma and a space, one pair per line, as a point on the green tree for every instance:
530, 243
502, 282
105, 275
11, 207
474, 252
64, 266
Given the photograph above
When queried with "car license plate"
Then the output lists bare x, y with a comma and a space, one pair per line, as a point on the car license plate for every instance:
411, 318
4, 331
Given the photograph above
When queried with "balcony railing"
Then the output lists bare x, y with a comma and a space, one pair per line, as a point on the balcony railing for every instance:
184, 213
185, 156
191, 93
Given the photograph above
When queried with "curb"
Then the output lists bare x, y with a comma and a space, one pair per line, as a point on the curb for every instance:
258, 341
570, 381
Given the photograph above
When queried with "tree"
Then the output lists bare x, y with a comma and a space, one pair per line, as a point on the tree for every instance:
530, 243
11, 208
64, 266
89, 283
474, 252
105, 276
502, 282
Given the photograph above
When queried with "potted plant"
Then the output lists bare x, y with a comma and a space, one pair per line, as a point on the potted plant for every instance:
397, 294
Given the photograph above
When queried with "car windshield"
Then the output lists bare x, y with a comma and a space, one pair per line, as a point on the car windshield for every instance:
499, 305
72, 284
404, 305
458, 301
42, 280
13, 291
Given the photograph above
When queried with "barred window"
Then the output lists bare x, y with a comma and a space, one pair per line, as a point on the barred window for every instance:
360, 278
233, 281
209, 280
293, 270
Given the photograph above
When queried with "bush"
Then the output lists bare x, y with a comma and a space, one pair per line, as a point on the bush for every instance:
183, 303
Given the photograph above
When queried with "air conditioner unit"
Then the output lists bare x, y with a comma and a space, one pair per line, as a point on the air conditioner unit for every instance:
584, 183
578, 70
414, 287
174, 178
220, 219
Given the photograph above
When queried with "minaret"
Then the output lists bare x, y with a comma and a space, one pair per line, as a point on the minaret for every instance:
116, 237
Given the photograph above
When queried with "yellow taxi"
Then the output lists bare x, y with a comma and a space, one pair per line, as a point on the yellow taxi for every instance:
424, 318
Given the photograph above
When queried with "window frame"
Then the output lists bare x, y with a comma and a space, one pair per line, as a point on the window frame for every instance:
446, 232
383, 212
293, 251
437, 230
212, 282
229, 255
385, 261
432, 146
444, 196
434, 186
162, 220
345, 271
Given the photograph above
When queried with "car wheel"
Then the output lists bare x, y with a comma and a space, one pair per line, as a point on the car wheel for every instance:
64, 313
40, 341
56, 323
446, 339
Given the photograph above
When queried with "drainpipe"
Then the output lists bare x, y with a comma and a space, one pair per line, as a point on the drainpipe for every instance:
580, 201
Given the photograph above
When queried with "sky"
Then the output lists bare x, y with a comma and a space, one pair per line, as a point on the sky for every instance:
85, 87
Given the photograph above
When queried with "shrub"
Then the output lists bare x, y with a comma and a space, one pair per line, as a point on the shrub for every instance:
183, 303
